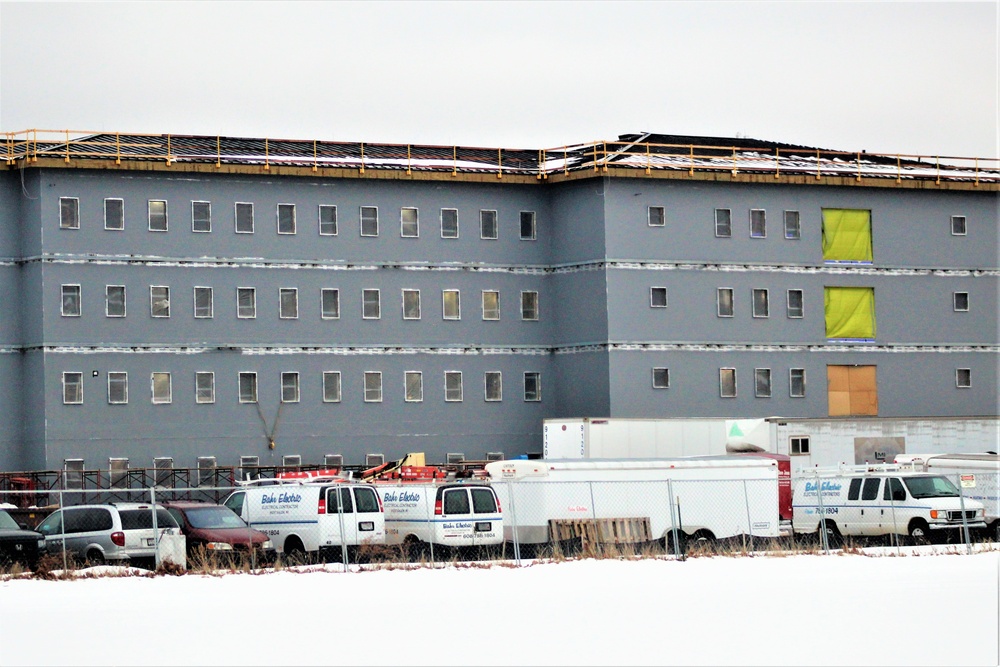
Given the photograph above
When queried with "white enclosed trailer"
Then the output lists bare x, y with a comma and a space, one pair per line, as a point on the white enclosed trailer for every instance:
706, 497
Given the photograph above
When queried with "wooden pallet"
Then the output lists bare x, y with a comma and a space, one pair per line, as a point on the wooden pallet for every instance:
593, 532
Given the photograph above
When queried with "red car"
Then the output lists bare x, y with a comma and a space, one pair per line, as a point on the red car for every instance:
216, 528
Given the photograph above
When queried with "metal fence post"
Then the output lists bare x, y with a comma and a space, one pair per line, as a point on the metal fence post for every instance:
746, 502
823, 540
673, 519
965, 519
892, 508
430, 522
156, 531
340, 517
593, 516
62, 529
513, 524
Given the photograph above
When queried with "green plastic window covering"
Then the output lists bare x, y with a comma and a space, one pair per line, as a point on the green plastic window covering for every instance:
850, 312
847, 235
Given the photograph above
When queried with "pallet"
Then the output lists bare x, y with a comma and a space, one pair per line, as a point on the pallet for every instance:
594, 532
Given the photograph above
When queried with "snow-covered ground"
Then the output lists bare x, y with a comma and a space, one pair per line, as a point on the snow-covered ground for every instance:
932, 605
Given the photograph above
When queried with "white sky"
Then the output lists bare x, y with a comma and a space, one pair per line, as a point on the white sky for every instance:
892, 77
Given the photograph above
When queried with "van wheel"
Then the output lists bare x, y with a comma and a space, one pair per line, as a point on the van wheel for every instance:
919, 532
414, 549
95, 557
295, 553
833, 538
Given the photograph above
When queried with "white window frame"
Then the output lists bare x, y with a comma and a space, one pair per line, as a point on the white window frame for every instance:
534, 225
722, 387
161, 400
792, 372
290, 380
420, 386
795, 445
334, 222
378, 304
536, 313
245, 205
789, 311
149, 213
483, 215
767, 303
759, 373
444, 304
67, 382
963, 378
491, 319
411, 292
253, 303
106, 220
252, 376
370, 394
278, 209
335, 376
449, 236
964, 225
70, 288
361, 219
955, 304
193, 218
652, 300
537, 376
763, 223
461, 390
107, 301
122, 378
152, 311
403, 224
666, 372
728, 214
322, 303
662, 214
486, 386
282, 291
211, 387
72, 224
211, 302
718, 302
796, 227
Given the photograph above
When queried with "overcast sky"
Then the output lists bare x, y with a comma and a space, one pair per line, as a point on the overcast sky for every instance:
904, 77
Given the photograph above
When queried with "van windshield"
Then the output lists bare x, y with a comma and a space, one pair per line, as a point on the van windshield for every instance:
931, 487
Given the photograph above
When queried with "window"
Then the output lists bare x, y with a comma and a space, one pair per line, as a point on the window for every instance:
532, 386
157, 215
288, 303
451, 307
72, 388
449, 223
792, 228
159, 301
203, 302
963, 377
847, 235
331, 303
960, 301
453, 386
727, 382
800, 445
373, 387
760, 305
529, 305
204, 387
114, 214
70, 301
488, 224
762, 382
369, 221
661, 378
331, 386
327, 220
958, 225
414, 390
160, 386
527, 225
201, 216
370, 306
290, 387
114, 300
658, 297
409, 225
869, 491
244, 217
724, 301
411, 304
723, 223
797, 382
494, 386
656, 216
117, 387
248, 387
491, 305
849, 312
758, 226
794, 305
246, 302
286, 218
69, 213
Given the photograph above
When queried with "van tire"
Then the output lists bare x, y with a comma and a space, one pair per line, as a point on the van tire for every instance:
414, 549
95, 557
919, 532
833, 537
295, 552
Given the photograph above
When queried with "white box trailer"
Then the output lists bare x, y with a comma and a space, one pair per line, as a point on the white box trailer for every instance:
595, 438
707, 497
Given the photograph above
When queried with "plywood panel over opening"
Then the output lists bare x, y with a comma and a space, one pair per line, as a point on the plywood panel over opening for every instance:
852, 390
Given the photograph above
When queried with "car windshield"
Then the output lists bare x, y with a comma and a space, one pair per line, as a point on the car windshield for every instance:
931, 487
7, 523
214, 517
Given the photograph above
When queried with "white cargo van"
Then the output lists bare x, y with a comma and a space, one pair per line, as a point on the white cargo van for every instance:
312, 516
880, 500
446, 515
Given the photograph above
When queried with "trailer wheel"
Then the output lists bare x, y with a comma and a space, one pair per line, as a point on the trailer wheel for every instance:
919, 532
668, 543
704, 536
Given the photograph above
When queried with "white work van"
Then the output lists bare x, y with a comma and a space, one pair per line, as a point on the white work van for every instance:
881, 500
312, 516
978, 475
452, 516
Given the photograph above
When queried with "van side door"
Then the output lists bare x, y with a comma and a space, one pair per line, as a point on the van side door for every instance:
369, 517
456, 527
871, 507
341, 525
849, 517
488, 525
895, 518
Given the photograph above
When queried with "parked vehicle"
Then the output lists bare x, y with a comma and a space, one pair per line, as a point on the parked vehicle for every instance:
18, 544
881, 500
217, 529
116, 532
312, 517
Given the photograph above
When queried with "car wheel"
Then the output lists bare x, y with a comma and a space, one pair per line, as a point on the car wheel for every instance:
95, 557
919, 532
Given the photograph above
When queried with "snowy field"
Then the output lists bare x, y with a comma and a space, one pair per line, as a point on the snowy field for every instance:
927, 606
